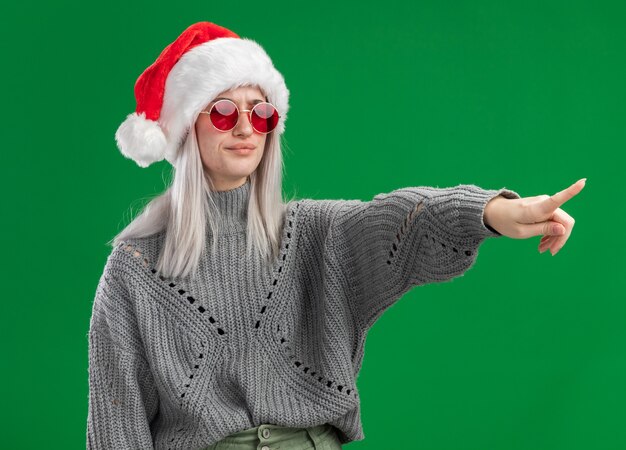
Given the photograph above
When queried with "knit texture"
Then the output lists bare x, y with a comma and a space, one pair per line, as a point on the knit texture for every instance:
181, 364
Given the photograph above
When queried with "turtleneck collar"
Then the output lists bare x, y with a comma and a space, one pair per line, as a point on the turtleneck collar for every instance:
233, 206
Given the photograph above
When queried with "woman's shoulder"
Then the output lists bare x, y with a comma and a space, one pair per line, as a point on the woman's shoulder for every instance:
314, 216
320, 210
135, 250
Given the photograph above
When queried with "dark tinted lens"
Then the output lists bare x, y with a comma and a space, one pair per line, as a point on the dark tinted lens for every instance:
224, 115
264, 117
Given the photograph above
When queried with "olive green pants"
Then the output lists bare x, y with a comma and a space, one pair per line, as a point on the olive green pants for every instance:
274, 437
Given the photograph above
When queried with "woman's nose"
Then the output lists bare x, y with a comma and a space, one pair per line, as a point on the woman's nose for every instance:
243, 124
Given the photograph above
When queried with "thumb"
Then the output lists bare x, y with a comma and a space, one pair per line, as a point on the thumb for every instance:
547, 228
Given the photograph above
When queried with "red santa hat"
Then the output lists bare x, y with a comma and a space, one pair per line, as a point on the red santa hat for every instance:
205, 60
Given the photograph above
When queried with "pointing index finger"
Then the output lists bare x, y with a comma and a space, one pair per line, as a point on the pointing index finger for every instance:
556, 200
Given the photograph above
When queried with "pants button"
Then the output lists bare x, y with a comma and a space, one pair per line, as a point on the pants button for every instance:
265, 447
266, 433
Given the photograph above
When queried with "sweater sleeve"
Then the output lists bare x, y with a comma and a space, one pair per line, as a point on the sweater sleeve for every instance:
405, 238
123, 399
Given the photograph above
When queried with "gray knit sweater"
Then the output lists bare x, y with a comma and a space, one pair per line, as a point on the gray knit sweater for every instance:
181, 364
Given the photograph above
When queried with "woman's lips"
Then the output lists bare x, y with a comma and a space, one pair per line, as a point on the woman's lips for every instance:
240, 151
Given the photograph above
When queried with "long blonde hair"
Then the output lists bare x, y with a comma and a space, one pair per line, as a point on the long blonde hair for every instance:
185, 210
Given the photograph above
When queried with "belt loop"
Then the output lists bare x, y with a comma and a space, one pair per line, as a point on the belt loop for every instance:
314, 435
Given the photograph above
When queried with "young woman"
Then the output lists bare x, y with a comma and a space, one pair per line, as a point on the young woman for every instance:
228, 318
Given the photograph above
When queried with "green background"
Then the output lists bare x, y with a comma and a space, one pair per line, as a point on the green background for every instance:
526, 351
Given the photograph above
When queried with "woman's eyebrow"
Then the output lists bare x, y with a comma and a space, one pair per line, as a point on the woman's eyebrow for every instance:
254, 102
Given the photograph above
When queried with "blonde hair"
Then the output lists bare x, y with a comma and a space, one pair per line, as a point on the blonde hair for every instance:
187, 208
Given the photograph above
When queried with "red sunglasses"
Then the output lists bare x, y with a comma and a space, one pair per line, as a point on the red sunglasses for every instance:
224, 115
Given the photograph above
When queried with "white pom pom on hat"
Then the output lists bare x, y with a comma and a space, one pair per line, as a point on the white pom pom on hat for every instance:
141, 139
204, 61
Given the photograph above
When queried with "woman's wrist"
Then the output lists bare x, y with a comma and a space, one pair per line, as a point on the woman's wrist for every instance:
490, 210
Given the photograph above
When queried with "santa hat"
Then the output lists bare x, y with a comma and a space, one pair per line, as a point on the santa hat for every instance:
205, 60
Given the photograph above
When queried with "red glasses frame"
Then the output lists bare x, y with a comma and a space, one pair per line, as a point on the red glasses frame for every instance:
224, 118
